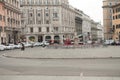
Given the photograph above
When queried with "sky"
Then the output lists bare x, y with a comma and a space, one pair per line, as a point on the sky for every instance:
92, 8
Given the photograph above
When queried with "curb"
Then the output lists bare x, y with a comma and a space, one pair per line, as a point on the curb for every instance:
63, 58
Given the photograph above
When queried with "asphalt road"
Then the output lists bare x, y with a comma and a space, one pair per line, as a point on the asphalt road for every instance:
60, 67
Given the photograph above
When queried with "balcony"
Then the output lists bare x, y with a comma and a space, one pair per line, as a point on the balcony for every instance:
12, 29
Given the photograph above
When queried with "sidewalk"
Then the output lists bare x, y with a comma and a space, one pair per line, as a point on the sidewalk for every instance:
43, 53
56, 78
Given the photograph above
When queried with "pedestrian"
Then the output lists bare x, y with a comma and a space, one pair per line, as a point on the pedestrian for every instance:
32, 45
23, 47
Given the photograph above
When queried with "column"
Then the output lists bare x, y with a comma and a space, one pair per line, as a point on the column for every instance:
44, 37
61, 39
52, 38
27, 38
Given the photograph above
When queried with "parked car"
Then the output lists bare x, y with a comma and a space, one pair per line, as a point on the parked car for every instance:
81, 43
45, 43
89, 42
17, 46
2, 47
12, 46
8, 47
27, 44
108, 42
37, 44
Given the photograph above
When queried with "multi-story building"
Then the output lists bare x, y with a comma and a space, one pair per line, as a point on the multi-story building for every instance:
116, 22
100, 32
2, 22
12, 21
48, 20
78, 24
107, 17
54, 21
94, 30
86, 28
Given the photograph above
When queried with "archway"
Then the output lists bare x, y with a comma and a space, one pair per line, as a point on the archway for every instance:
56, 39
40, 38
48, 38
32, 38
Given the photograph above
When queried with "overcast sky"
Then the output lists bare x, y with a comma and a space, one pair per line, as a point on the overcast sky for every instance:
93, 8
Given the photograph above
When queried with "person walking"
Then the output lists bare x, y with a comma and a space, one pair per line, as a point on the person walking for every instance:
23, 47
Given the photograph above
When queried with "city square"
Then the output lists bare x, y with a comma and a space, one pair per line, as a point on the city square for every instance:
59, 39
91, 62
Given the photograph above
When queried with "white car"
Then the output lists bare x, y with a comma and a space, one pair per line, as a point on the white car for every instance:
45, 43
8, 47
18, 46
12, 46
37, 44
108, 42
27, 44
2, 47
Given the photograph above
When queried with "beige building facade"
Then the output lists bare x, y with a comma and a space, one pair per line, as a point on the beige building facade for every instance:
2, 22
12, 21
107, 17
54, 21
116, 22
48, 20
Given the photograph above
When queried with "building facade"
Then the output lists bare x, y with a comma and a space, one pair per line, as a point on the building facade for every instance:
12, 21
54, 21
116, 22
48, 20
2, 22
86, 28
78, 24
107, 17
100, 32
94, 30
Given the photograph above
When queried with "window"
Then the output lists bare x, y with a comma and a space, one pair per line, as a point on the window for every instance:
113, 11
46, 2
3, 8
31, 22
116, 17
110, 4
39, 22
110, 11
47, 22
55, 15
113, 17
4, 18
119, 16
117, 26
56, 29
0, 17
39, 29
47, 14
40, 1
30, 1
31, 30
118, 9
47, 29
113, 28
31, 15
22, 21
110, 17
38, 14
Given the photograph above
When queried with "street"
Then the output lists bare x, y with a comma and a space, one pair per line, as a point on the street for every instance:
60, 67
